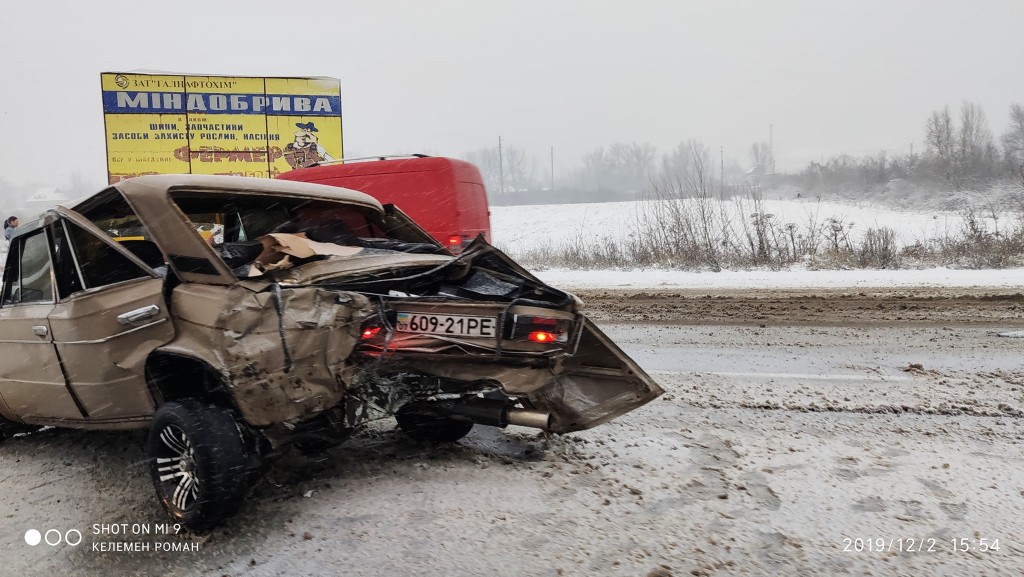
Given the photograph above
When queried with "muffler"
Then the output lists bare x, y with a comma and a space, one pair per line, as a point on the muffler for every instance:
491, 412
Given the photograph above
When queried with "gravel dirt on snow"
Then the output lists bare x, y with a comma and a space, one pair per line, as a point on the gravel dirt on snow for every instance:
813, 432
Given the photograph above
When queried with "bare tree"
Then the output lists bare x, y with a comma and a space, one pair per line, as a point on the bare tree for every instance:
976, 150
596, 162
633, 162
688, 168
761, 158
961, 155
520, 170
685, 190
487, 160
1013, 142
941, 141
620, 167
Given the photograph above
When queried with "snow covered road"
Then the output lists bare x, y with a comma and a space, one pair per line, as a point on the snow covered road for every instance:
787, 440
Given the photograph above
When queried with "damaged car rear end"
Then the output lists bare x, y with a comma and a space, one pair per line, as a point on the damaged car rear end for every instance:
295, 313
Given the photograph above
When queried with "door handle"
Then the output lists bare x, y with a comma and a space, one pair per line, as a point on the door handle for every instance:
40, 330
138, 314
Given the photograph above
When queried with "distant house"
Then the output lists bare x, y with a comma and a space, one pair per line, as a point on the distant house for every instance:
44, 198
757, 177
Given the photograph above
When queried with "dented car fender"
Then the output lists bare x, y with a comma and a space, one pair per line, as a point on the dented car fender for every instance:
282, 352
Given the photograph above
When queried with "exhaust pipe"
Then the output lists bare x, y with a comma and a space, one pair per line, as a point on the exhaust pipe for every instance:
491, 412
528, 418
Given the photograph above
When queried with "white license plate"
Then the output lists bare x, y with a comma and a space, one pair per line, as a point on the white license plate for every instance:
452, 325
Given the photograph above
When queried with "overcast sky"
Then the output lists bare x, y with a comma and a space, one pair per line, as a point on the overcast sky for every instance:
447, 77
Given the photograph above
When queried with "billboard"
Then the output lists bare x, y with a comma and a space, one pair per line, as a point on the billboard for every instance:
175, 123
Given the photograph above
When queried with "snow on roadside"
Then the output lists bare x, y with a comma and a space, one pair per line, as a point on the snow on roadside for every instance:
797, 279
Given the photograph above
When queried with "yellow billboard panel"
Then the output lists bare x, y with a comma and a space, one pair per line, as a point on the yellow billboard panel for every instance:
145, 144
301, 141
228, 144
175, 123
225, 85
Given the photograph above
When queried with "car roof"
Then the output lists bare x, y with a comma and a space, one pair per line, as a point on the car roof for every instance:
151, 198
158, 185
161, 184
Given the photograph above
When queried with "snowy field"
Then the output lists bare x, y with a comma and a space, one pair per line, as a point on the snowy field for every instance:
521, 228
518, 229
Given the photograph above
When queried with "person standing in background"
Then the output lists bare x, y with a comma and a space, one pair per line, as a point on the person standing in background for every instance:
9, 225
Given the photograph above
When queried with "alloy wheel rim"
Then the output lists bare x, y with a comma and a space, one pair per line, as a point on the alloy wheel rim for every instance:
176, 468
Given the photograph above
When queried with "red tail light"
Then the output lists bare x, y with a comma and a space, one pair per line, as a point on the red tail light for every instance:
454, 240
539, 329
542, 337
370, 332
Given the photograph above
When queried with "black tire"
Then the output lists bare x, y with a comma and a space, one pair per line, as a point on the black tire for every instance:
199, 462
419, 422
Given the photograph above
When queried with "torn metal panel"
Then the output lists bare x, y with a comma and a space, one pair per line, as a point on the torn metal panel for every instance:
288, 361
365, 264
597, 384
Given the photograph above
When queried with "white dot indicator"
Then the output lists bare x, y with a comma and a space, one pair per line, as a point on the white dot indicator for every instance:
32, 537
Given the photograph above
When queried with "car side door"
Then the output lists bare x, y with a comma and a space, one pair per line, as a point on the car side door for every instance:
33, 388
110, 315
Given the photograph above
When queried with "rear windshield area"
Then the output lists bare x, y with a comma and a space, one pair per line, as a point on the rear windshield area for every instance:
241, 218
254, 233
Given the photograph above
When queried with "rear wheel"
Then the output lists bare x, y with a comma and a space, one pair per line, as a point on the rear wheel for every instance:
198, 461
419, 422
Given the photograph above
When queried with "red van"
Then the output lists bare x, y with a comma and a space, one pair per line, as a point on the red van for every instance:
443, 195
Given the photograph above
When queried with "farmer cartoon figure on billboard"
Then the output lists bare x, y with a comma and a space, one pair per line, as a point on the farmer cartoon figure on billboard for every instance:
305, 150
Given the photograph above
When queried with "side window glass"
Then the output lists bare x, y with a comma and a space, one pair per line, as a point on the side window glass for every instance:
69, 281
115, 217
99, 263
29, 280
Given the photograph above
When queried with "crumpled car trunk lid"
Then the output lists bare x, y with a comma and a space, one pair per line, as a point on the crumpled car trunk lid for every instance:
597, 384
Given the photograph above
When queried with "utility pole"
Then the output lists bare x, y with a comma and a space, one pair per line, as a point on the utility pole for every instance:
501, 168
721, 171
552, 168
771, 150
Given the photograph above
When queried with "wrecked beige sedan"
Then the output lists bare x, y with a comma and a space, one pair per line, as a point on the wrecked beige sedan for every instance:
236, 316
